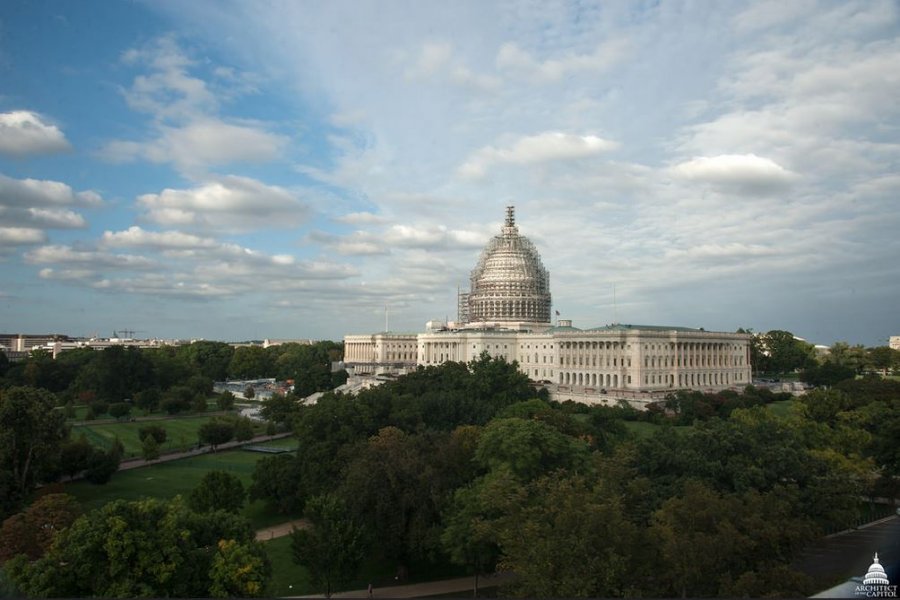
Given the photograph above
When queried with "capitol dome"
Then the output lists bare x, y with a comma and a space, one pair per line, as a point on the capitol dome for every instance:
876, 574
509, 284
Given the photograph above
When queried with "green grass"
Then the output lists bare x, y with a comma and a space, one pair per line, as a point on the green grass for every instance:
166, 480
181, 433
642, 429
288, 578
782, 408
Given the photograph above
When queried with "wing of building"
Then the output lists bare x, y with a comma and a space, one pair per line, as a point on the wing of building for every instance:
507, 313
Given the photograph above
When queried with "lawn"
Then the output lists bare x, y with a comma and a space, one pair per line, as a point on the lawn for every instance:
290, 579
181, 433
643, 429
166, 480
782, 408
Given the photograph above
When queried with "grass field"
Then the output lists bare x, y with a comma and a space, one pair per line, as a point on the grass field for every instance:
643, 429
782, 408
166, 480
181, 433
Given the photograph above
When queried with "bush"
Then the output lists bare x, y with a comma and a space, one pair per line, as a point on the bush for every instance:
119, 410
173, 406
158, 432
99, 407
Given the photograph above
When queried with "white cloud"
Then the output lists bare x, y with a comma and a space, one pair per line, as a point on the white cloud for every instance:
513, 59
437, 61
88, 258
186, 128
199, 144
34, 204
24, 133
135, 237
230, 203
15, 236
360, 218
544, 147
745, 171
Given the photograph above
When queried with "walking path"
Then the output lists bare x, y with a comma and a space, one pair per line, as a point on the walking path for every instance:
460, 585
136, 463
280, 530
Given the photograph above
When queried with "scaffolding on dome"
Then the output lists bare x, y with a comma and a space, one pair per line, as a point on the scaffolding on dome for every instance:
509, 283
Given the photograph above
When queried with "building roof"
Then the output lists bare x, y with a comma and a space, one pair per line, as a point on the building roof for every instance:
627, 327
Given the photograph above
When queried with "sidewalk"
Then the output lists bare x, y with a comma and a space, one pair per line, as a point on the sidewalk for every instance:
280, 530
461, 585
136, 463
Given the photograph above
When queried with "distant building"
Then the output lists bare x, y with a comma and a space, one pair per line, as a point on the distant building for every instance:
894, 342
507, 314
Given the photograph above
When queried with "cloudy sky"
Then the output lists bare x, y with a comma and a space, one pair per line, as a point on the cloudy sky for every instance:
240, 170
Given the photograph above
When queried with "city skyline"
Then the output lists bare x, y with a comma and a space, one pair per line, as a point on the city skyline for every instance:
238, 170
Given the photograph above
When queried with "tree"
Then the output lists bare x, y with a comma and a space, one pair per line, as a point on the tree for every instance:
280, 408
243, 429
239, 570
148, 400
884, 358
333, 547
785, 353
146, 548
149, 448
157, 432
119, 410
215, 432
250, 362
568, 538
32, 531
275, 479
102, 465
225, 401
529, 448
198, 403
31, 433
249, 392
218, 490
75, 455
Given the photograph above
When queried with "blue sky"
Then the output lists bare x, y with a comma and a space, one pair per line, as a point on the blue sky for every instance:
242, 170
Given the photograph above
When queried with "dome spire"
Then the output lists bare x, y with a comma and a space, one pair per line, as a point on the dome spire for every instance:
510, 216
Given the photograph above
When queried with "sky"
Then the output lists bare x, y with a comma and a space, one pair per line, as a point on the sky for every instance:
237, 170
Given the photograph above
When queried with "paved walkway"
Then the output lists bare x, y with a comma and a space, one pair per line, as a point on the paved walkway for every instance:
136, 463
280, 530
460, 585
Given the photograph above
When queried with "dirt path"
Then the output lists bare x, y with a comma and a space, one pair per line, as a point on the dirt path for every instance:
280, 530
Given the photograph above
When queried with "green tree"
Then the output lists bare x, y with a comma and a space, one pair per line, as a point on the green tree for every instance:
157, 432
149, 448
119, 410
218, 490
243, 429
216, 432
571, 539
884, 358
280, 408
275, 479
529, 448
74, 456
225, 401
239, 570
249, 393
146, 548
148, 399
102, 465
210, 359
250, 362
31, 433
785, 353
333, 548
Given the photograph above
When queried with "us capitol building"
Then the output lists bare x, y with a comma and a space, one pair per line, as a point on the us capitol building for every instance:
507, 314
